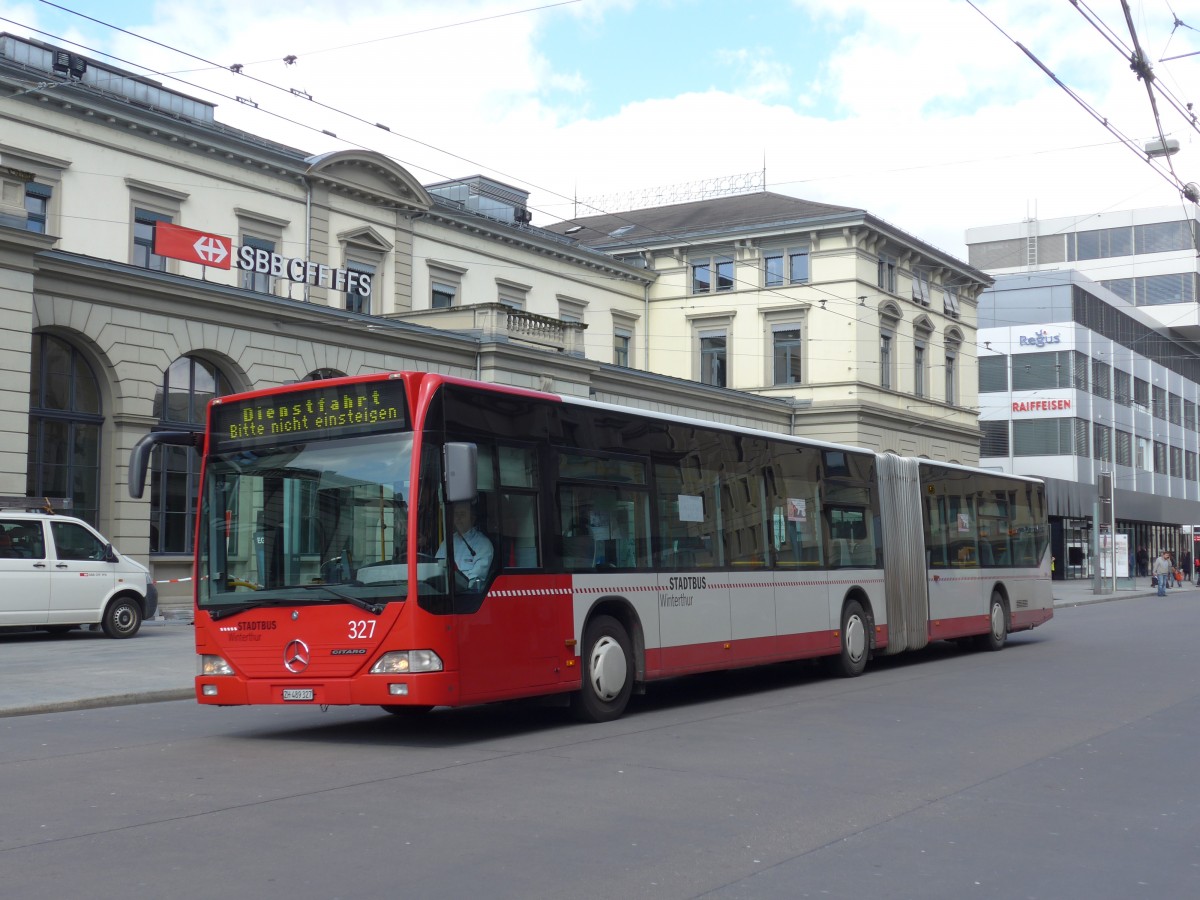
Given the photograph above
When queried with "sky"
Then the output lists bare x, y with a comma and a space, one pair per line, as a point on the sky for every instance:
922, 112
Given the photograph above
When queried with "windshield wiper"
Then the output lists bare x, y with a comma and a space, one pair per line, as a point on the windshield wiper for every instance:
350, 598
222, 612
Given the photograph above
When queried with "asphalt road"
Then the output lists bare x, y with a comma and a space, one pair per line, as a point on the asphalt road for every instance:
1063, 766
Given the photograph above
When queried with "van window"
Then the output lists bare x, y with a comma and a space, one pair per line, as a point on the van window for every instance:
73, 541
21, 540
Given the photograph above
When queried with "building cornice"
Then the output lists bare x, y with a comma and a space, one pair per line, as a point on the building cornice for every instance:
588, 258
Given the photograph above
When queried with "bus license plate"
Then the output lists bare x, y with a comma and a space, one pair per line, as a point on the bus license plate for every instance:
297, 693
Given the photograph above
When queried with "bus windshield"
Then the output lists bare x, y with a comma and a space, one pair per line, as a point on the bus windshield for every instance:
318, 522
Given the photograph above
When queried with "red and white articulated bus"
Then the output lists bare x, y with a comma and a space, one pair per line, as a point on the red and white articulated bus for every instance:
593, 548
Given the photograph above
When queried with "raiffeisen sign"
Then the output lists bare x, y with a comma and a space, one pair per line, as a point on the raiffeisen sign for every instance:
1056, 405
216, 251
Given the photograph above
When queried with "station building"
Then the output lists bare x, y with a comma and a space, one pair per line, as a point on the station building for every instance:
282, 266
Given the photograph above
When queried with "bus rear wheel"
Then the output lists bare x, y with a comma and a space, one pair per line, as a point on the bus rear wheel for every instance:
856, 641
997, 633
607, 672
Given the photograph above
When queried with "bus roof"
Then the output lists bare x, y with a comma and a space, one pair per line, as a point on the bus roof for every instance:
417, 379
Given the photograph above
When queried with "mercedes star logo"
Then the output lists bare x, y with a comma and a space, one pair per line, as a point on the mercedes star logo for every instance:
296, 656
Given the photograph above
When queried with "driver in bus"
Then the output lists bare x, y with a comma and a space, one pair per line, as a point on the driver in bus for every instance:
473, 549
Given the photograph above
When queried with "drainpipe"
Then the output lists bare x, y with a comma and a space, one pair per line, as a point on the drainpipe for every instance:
646, 326
307, 227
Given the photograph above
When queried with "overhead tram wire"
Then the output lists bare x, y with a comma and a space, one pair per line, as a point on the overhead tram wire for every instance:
313, 128
1175, 27
1141, 67
1171, 179
212, 65
306, 54
1135, 57
1138, 62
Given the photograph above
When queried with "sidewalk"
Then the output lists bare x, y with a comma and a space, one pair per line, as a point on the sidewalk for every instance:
1080, 591
84, 669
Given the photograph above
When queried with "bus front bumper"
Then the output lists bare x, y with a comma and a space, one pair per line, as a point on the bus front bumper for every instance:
420, 689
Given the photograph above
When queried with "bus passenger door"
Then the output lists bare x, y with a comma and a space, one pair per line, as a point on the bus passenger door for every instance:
511, 622
746, 533
802, 600
694, 619
694, 616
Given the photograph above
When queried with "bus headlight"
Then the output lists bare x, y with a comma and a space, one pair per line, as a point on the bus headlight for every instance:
399, 662
212, 665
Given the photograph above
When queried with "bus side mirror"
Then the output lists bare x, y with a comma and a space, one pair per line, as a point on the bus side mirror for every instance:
139, 456
460, 461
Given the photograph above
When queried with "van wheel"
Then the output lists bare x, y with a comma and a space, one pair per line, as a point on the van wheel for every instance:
123, 618
607, 672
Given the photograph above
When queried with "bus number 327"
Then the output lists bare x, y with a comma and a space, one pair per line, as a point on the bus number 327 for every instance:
362, 630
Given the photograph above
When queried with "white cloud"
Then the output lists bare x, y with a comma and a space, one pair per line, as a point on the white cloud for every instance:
919, 111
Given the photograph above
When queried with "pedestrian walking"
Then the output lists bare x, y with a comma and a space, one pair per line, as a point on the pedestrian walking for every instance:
1161, 572
1185, 564
1143, 562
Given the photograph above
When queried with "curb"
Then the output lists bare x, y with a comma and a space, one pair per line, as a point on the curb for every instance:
1103, 598
101, 702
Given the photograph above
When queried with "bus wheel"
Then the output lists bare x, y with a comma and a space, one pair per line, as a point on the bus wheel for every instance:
856, 643
997, 625
123, 618
607, 672
407, 712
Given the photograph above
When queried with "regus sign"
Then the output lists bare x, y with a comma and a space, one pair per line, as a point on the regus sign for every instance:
1040, 339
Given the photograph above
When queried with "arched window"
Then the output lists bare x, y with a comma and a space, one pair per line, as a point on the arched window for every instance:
180, 405
953, 341
64, 427
322, 374
889, 326
922, 339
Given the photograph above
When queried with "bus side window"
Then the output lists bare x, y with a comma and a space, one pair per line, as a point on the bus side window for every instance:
518, 531
517, 544
575, 526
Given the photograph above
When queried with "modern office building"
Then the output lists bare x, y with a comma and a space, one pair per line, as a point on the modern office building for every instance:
1137, 288
1074, 382
1147, 257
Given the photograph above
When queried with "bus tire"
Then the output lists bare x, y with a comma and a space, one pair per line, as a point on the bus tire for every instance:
855, 641
607, 662
997, 633
122, 617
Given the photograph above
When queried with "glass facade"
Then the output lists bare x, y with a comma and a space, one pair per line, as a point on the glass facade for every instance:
1120, 396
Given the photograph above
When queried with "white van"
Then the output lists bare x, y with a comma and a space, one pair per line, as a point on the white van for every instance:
57, 572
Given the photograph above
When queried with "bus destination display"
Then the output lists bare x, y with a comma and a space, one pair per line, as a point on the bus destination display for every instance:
317, 412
